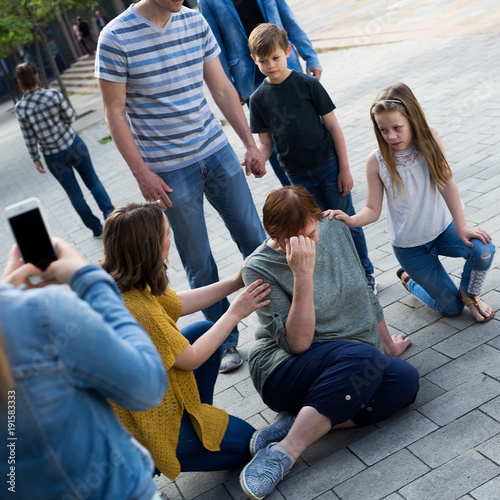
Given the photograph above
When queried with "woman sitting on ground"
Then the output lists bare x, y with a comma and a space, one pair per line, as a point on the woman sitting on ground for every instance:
316, 358
185, 432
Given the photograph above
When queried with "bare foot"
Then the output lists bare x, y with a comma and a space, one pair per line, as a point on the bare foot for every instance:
398, 345
480, 310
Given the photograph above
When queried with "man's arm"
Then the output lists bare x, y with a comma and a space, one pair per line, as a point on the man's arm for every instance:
114, 99
226, 98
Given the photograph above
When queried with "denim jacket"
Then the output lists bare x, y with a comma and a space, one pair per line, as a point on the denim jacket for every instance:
69, 351
235, 57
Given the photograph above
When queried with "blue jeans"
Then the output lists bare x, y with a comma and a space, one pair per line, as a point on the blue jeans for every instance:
61, 166
221, 179
321, 182
278, 171
234, 452
430, 281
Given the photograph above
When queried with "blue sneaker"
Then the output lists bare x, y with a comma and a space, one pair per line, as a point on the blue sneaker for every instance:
262, 474
273, 433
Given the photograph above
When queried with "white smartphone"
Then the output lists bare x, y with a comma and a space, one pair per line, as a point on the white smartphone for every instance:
31, 233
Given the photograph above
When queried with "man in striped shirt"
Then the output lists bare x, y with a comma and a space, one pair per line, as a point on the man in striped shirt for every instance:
151, 63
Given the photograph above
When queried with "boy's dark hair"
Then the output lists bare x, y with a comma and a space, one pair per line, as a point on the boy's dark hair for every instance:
133, 246
27, 77
288, 210
265, 38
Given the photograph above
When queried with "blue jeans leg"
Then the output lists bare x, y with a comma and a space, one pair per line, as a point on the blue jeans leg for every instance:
430, 281
206, 374
59, 165
321, 182
220, 178
234, 452
81, 161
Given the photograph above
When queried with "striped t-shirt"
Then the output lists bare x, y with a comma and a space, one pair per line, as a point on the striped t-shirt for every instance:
163, 68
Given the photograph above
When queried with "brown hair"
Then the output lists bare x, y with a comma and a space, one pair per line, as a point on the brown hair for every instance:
133, 245
265, 38
27, 76
425, 141
6, 382
288, 210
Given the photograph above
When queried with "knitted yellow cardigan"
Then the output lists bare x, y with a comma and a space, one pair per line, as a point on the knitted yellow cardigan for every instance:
158, 429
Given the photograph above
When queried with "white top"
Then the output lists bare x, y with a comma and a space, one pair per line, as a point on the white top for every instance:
421, 215
163, 70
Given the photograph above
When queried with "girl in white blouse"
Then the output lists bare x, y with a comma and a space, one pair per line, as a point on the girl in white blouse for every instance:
425, 214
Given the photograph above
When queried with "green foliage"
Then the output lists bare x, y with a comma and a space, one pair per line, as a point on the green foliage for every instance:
21, 18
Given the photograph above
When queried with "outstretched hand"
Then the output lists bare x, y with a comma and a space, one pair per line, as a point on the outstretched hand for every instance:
338, 215
467, 234
250, 299
399, 343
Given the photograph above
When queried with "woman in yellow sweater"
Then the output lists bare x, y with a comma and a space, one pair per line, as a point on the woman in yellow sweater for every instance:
184, 432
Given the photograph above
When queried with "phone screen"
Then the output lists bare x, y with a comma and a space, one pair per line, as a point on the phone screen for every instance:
33, 239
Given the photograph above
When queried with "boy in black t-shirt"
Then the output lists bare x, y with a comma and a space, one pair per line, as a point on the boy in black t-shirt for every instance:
294, 111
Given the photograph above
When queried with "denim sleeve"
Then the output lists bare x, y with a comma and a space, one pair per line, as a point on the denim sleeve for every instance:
297, 35
207, 13
101, 345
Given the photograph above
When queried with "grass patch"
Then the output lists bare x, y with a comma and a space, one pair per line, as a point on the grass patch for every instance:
105, 140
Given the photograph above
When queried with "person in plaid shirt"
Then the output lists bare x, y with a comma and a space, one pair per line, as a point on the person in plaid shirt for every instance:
45, 118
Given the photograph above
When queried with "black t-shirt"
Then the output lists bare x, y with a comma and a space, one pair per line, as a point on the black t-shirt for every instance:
291, 111
249, 13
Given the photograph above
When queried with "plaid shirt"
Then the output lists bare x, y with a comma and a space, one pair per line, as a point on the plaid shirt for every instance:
45, 118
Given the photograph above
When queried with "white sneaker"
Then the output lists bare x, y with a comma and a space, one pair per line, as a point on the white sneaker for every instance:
231, 360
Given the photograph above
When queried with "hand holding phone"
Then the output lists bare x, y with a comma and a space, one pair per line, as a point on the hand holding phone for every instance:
31, 234
16, 272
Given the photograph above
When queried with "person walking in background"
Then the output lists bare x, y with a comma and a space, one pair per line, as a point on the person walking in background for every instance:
70, 352
184, 432
87, 38
310, 144
101, 20
232, 22
425, 214
45, 118
78, 36
152, 62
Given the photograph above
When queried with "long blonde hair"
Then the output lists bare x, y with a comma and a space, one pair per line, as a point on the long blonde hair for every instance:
399, 97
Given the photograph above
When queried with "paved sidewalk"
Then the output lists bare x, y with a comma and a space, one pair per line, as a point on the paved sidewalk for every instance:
446, 446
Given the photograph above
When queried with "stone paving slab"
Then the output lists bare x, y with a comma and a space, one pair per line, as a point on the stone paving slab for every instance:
457, 80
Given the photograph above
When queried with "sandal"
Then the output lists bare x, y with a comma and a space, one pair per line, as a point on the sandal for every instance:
405, 281
474, 301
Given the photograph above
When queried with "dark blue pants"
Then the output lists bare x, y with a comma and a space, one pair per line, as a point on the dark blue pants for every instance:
234, 452
62, 166
342, 380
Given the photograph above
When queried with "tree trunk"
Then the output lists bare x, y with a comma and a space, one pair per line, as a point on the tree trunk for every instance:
39, 60
55, 69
